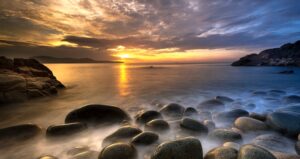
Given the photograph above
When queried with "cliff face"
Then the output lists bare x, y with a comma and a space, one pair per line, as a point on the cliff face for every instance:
286, 55
22, 79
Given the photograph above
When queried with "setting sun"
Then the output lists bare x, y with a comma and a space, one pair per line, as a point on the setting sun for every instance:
124, 56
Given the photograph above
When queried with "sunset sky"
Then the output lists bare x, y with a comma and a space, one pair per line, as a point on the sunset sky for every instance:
146, 30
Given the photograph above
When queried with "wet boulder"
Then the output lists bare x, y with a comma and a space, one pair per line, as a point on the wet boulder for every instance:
193, 125
213, 105
118, 151
247, 124
225, 135
65, 130
157, 125
145, 138
257, 116
224, 99
232, 145
123, 134
222, 153
229, 117
292, 99
19, 133
172, 110
145, 116
186, 148
254, 152
190, 111
280, 155
285, 122
97, 115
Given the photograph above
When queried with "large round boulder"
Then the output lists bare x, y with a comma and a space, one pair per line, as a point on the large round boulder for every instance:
145, 138
97, 115
285, 122
172, 110
18, 133
145, 116
254, 152
186, 148
229, 117
157, 125
118, 151
225, 135
193, 125
212, 105
64, 130
123, 134
222, 153
247, 124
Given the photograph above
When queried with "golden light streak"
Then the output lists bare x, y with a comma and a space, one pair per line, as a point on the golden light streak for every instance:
123, 80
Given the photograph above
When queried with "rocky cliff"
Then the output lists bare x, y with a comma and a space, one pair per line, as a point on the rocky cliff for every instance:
23, 79
286, 55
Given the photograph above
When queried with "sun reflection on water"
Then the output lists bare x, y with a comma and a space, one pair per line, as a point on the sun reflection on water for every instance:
123, 80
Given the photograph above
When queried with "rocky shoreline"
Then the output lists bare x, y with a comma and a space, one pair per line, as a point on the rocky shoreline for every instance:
235, 132
286, 55
23, 79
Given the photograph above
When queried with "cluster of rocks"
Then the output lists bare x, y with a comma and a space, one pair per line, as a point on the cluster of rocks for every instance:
22, 79
275, 133
286, 55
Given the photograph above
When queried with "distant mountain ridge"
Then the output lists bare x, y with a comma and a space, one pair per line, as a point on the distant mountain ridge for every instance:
286, 55
49, 59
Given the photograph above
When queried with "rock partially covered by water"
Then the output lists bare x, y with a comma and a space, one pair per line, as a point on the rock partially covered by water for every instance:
19, 133
224, 99
123, 134
190, 111
97, 115
145, 138
225, 135
222, 153
293, 109
285, 122
254, 152
186, 148
212, 105
23, 79
173, 110
65, 130
193, 125
230, 116
274, 142
157, 125
146, 116
292, 99
247, 124
257, 116
118, 151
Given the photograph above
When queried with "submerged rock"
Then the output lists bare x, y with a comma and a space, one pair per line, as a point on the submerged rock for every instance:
292, 109
146, 116
224, 99
292, 99
186, 148
260, 117
193, 125
247, 124
64, 130
157, 125
285, 122
19, 133
211, 105
229, 117
118, 151
222, 153
254, 152
225, 135
172, 110
97, 115
145, 138
123, 134
190, 111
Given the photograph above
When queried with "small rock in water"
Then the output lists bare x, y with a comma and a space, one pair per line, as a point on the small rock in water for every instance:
145, 138
229, 117
157, 125
118, 151
193, 125
225, 135
97, 115
254, 152
213, 105
247, 124
123, 134
222, 153
190, 111
146, 116
259, 93
172, 110
224, 99
232, 145
186, 148
292, 99
287, 72
65, 129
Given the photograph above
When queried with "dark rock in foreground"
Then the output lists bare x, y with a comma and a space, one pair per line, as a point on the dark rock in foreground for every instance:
225, 135
254, 152
186, 148
118, 151
286, 55
23, 79
222, 153
97, 115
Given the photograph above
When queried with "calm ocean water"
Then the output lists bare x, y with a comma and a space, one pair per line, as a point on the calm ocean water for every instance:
136, 87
